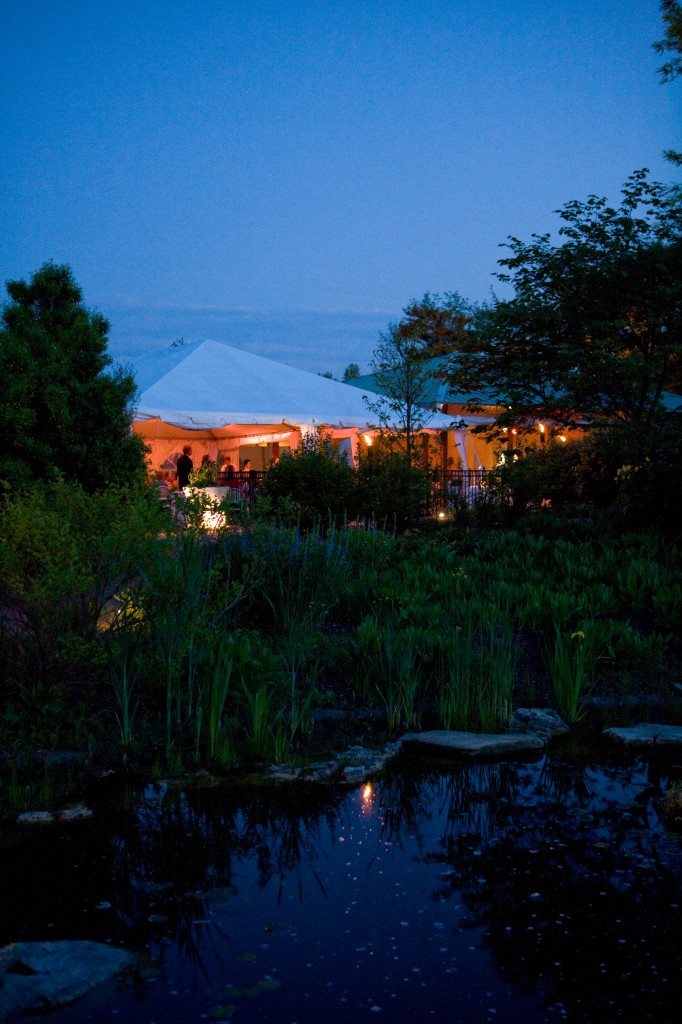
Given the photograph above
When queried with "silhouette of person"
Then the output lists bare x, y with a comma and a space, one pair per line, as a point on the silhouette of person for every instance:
184, 467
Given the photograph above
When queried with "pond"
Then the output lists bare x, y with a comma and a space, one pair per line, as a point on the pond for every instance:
542, 890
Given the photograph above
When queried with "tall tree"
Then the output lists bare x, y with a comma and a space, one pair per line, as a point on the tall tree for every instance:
407, 390
594, 331
65, 411
671, 44
442, 323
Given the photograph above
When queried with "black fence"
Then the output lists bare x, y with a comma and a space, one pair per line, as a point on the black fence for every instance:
453, 489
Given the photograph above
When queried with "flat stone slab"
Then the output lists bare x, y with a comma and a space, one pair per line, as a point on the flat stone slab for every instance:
39, 976
647, 736
477, 745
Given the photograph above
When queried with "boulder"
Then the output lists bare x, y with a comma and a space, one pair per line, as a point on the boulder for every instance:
647, 736
542, 721
473, 745
39, 976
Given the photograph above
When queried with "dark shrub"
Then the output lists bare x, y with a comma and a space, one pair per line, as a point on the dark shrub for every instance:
309, 485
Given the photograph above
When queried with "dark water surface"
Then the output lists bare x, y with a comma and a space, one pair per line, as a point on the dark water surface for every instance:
538, 892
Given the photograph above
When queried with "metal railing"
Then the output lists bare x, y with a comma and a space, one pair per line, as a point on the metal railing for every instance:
453, 489
450, 489
244, 484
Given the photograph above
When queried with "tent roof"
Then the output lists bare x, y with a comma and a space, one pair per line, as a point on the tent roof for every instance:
208, 384
441, 392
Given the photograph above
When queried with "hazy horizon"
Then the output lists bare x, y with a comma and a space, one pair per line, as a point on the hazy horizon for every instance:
320, 341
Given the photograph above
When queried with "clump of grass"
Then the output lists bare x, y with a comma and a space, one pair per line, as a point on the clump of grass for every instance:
572, 664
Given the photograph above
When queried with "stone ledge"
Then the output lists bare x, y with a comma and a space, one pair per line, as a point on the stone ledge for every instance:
473, 745
647, 736
76, 813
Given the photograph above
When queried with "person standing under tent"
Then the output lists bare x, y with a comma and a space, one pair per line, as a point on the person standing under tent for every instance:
184, 467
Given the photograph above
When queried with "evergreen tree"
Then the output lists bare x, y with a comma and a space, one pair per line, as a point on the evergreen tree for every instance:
65, 411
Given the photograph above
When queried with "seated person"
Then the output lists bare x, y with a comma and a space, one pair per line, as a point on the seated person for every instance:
162, 486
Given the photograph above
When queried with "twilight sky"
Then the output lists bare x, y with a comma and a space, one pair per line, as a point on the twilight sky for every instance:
286, 175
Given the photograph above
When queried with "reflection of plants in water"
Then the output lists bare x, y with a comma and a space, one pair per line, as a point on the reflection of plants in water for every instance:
567, 880
576, 901
177, 847
285, 829
469, 799
401, 806
476, 799
194, 936
564, 782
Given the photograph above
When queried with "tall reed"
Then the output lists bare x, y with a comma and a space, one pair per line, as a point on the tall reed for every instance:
475, 675
572, 663
497, 654
259, 717
213, 690
454, 675
176, 588
301, 584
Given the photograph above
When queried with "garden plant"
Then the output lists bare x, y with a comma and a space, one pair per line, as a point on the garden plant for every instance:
150, 644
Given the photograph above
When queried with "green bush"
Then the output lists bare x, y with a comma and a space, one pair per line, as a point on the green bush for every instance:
205, 475
391, 493
649, 479
63, 556
544, 476
634, 476
311, 484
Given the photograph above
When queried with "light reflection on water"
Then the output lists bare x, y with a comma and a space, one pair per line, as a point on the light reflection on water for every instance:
538, 891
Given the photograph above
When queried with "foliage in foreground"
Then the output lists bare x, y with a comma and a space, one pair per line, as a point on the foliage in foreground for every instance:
142, 644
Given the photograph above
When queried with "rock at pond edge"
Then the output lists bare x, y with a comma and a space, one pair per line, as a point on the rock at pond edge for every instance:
541, 721
647, 736
451, 743
38, 976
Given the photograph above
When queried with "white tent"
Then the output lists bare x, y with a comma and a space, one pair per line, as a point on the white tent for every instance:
224, 401
208, 385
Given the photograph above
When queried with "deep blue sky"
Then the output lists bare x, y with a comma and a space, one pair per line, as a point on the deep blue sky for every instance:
287, 176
